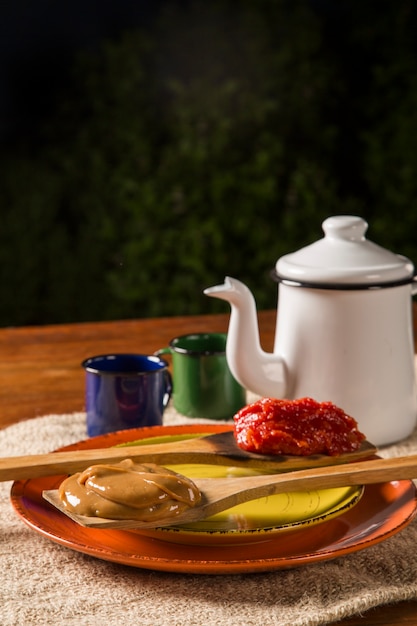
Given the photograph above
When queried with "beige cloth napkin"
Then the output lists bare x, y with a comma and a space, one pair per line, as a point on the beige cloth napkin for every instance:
47, 584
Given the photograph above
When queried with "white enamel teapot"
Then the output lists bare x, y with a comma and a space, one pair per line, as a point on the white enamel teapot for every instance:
344, 331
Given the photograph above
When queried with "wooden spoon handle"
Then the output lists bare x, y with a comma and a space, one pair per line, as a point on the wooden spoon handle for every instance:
57, 463
195, 450
224, 494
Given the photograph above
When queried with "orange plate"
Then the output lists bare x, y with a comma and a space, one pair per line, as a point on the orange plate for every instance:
383, 510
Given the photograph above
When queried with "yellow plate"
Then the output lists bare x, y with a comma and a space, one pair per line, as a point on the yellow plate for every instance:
257, 520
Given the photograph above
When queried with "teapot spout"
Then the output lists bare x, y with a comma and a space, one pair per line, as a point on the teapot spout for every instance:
261, 372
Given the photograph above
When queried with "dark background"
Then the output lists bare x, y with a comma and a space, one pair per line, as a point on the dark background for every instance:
148, 148
39, 42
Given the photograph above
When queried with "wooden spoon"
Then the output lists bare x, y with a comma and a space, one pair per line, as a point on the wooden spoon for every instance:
218, 449
219, 494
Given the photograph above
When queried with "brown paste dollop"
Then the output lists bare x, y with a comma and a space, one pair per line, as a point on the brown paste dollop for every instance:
127, 490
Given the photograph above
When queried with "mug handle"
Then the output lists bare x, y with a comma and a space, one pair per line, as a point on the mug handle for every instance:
168, 377
166, 350
168, 389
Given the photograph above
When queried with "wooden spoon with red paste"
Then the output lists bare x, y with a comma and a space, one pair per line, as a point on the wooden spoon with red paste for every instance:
218, 449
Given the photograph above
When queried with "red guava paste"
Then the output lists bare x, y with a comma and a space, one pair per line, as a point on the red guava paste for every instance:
298, 427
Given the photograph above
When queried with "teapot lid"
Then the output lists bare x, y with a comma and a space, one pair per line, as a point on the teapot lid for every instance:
344, 259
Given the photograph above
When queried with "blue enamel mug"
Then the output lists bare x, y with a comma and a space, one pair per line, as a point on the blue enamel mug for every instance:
125, 391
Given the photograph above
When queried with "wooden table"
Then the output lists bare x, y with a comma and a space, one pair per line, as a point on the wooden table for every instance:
40, 374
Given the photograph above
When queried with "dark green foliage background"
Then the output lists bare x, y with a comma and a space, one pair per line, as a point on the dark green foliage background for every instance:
211, 144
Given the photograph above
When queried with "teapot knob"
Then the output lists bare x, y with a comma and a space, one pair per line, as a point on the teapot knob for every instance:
345, 227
